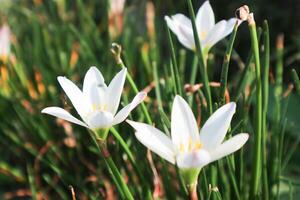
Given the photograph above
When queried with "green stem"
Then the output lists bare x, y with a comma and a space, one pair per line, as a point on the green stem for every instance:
200, 55
157, 88
233, 179
174, 66
116, 50
132, 160
243, 79
277, 110
265, 90
193, 77
225, 66
112, 168
258, 114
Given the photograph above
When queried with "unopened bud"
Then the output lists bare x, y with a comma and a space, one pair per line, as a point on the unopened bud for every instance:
242, 13
250, 19
116, 50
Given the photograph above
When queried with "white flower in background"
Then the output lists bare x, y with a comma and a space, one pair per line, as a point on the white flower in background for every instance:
188, 148
4, 41
209, 33
96, 104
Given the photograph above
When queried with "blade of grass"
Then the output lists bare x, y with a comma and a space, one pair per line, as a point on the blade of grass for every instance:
125, 147
200, 55
256, 175
265, 79
225, 65
296, 81
174, 66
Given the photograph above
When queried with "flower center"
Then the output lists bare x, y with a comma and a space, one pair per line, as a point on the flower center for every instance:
191, 146
99, 107
202, 35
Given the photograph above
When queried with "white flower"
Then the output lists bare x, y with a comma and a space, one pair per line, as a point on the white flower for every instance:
209, 33
4, 41
188, 148
96, 104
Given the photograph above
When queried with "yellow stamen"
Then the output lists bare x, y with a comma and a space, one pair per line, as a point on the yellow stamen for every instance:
202, 35
181, 147
198, 145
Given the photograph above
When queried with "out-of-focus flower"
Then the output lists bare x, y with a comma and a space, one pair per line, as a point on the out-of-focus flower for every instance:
4, 42
97, 103
209, 33
187, 148
115, 16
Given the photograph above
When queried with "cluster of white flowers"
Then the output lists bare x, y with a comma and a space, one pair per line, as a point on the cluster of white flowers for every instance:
97, 105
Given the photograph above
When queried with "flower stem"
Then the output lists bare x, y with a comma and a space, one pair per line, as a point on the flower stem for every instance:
258, 112
193, 192
116, 50
174, 66
225, 66
200, 55
146, 187
112, 168
265, 90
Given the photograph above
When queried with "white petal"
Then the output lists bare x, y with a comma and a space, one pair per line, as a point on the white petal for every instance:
229, 26
205, 19
230, 146
98, 120
219, 31
122, 114
195, 159
94, 87
181, 26
183, 124
114, 91
215, 128
92, 76
155, 140
75, 95
63, 114
215, 34
97, 97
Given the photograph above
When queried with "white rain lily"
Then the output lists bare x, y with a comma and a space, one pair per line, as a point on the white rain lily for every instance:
97, 103
187, 147
4, 42
209, 33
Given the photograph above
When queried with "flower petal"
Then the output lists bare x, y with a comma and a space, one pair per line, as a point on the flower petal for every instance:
98, 120
229, 146
219, 31
229, 26
63, 114
183, 124
215, 128
215, 34
94, 86
114, 91
77, 98
122, 114
194, 159
92, 76
155, 140
181, 26
205, 18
